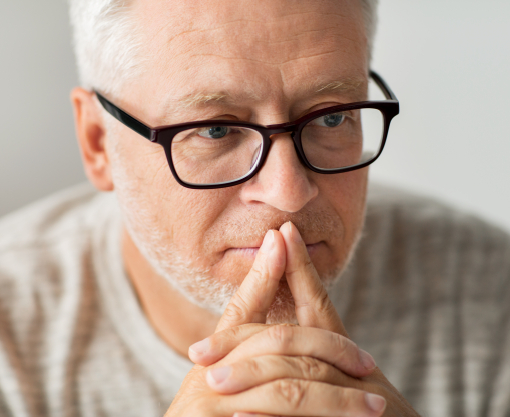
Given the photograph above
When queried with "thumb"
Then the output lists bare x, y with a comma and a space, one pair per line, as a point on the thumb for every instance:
251, 302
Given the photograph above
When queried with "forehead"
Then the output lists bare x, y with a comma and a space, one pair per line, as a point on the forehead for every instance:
259, 50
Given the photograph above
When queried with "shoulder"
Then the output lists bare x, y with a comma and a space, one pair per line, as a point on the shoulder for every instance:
47, 219
411, 221
415, 244
48, 298
428, 295
45, 252
430, 283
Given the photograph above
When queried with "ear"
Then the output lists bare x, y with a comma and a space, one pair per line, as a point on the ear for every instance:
91, 134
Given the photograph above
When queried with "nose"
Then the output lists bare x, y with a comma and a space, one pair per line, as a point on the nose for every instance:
283, 182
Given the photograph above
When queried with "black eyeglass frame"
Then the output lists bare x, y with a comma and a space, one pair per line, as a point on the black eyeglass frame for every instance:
164, 135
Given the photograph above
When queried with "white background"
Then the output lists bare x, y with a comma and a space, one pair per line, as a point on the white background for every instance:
447, 61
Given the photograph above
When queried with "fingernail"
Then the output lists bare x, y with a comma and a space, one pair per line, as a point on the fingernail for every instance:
220, 374
268, 242
375, 402
294, 233
201, 347
366, 359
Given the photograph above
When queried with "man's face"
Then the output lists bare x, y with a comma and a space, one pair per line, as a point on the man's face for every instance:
264, 62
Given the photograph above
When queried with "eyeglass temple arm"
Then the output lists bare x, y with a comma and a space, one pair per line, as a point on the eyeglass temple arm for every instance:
127, 119
383, 86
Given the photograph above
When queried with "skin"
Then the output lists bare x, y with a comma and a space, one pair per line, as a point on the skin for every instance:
271, 58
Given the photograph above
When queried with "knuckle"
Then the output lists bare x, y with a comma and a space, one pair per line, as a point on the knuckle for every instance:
236, 310
339, 343
312, 369
225, 337
253, 367
292, 391
308, 264
341, 346
291, 271
322, 303
234, 332
234, 335
258, 270
242, 301
281, 335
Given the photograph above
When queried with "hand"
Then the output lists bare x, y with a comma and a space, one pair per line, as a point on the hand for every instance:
285, 370
195, 397
307, 354
273, 394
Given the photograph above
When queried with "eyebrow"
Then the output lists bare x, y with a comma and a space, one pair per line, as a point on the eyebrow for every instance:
318, 87
347, 85
202, 99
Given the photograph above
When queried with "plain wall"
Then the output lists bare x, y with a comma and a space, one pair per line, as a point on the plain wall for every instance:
449, 64
447, 61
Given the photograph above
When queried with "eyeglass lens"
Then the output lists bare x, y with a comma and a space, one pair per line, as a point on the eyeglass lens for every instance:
215, 154
218, 154
344, 139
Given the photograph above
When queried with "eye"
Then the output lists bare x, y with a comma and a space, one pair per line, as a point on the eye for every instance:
330, 120
214, 132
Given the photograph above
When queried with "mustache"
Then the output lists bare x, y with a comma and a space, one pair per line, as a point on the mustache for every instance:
252, 226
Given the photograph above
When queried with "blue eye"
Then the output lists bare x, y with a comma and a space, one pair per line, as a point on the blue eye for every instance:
215, 132
332, 120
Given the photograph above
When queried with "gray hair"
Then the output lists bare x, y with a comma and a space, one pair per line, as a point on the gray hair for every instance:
106, 45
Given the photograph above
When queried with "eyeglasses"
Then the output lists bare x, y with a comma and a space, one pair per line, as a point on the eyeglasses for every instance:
223, 153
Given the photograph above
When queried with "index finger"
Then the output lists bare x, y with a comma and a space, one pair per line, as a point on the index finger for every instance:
313, 305
251, 302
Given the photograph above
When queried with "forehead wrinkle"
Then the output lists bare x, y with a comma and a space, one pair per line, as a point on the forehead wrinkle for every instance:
199, 25
290, 39
265, 62
246, 21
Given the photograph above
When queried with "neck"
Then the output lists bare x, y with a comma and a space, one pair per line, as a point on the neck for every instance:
177, 321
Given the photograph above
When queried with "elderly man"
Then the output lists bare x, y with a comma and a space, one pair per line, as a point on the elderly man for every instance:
212, 282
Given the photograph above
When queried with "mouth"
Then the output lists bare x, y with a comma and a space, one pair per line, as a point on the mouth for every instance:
251, 252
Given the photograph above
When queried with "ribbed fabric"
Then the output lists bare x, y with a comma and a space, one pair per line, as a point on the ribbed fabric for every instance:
427, 294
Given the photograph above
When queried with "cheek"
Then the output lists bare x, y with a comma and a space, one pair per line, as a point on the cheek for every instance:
193, 213
137, 161
346, 193
148, 190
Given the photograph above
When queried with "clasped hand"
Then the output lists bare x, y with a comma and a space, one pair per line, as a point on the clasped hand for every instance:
249, 368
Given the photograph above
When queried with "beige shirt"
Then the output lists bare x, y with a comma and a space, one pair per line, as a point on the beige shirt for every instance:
428, 295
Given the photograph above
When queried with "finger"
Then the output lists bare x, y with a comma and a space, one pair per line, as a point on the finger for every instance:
251, 302
329, 347
218, 345
252, 415
313, 305
297, 397
260, 370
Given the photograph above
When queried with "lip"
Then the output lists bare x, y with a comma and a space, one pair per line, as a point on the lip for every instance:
251, 252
